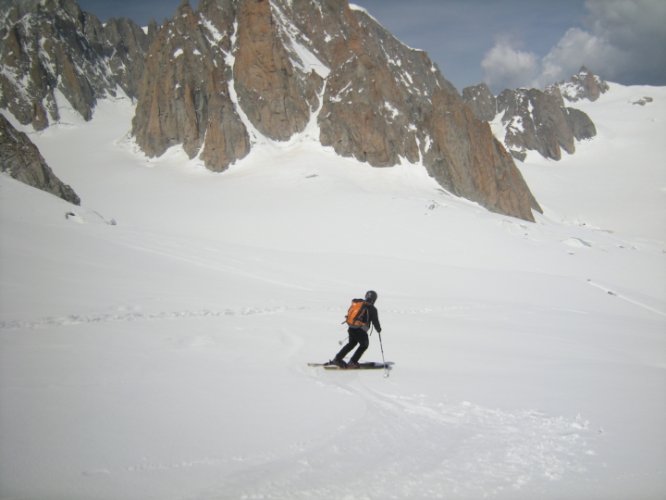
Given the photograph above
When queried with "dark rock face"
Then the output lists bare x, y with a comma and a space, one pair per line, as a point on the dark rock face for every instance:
384, 102
21, 159
184, 95
580, 124
583, 85
493, 180
269, 91
52, 47
537, 120
481, 101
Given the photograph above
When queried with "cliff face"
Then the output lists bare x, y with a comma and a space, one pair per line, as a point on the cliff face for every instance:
51, 48
21, 159
536, 120
225, 76
232, 73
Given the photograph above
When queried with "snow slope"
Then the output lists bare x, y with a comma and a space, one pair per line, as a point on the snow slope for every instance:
164, 356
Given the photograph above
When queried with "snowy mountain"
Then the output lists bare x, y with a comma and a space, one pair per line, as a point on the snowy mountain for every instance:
229, 75
539, 120
54, 54
154, 339
164, 356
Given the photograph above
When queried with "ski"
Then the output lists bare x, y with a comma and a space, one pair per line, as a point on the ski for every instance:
369, 365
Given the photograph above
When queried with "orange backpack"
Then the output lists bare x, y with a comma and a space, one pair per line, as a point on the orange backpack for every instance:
358, 315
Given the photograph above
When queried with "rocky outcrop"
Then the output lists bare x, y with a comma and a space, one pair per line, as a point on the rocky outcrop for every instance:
468, 159
536, 120
583, 85
539, 121
236, 72
184, 96
481, 101
269, 90
53, 52
21, 159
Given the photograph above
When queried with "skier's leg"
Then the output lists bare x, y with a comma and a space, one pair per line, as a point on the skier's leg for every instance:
363, 343
348, 347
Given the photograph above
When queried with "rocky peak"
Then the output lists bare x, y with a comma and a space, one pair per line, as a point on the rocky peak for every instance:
481, 101
539, 121
583, 85
184, 95
52, 50
536, 120
230, 74
233, 73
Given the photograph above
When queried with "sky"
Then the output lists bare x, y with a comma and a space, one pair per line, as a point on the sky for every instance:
505, 43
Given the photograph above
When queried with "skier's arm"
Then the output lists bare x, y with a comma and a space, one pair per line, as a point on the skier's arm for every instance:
374, 317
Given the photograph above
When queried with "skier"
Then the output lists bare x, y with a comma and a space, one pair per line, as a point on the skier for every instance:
361, 314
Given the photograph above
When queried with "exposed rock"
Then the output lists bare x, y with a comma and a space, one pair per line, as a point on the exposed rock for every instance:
51, 47
539, 121
185, 96
219, 79
21, 159
385, 101
472, 163
643, 101
583, 85
268, 89
580, 124
536, 120
481, 101
276, 63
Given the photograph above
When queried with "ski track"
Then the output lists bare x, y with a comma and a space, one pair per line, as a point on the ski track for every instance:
407, 442
630, 300
78, 319
123, 315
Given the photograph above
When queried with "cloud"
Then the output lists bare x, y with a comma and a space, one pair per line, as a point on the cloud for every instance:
506, 66
577, 48
625, 41
621, 40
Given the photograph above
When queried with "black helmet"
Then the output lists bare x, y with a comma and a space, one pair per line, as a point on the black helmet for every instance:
371, 296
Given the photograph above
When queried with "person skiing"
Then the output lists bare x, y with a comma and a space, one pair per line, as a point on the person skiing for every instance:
360, 316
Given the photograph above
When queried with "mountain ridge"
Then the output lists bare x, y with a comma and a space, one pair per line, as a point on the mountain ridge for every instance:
219, 78
204, 75
539, 120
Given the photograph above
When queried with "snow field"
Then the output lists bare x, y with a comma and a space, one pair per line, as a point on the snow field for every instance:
165, 356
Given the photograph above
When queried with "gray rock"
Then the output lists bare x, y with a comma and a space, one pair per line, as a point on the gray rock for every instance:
481, 101
583, 85
21, 159
73, 54
539, 121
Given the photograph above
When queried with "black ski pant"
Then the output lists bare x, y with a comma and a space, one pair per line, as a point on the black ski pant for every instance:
357, 336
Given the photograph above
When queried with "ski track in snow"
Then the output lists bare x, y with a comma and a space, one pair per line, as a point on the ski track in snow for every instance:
630, 300
414, 447
78, 319
124, 315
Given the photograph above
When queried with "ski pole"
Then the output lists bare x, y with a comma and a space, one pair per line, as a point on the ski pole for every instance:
381, 346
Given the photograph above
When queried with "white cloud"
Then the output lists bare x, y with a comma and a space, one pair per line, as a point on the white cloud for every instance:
622, 40
505, 66
577, 48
